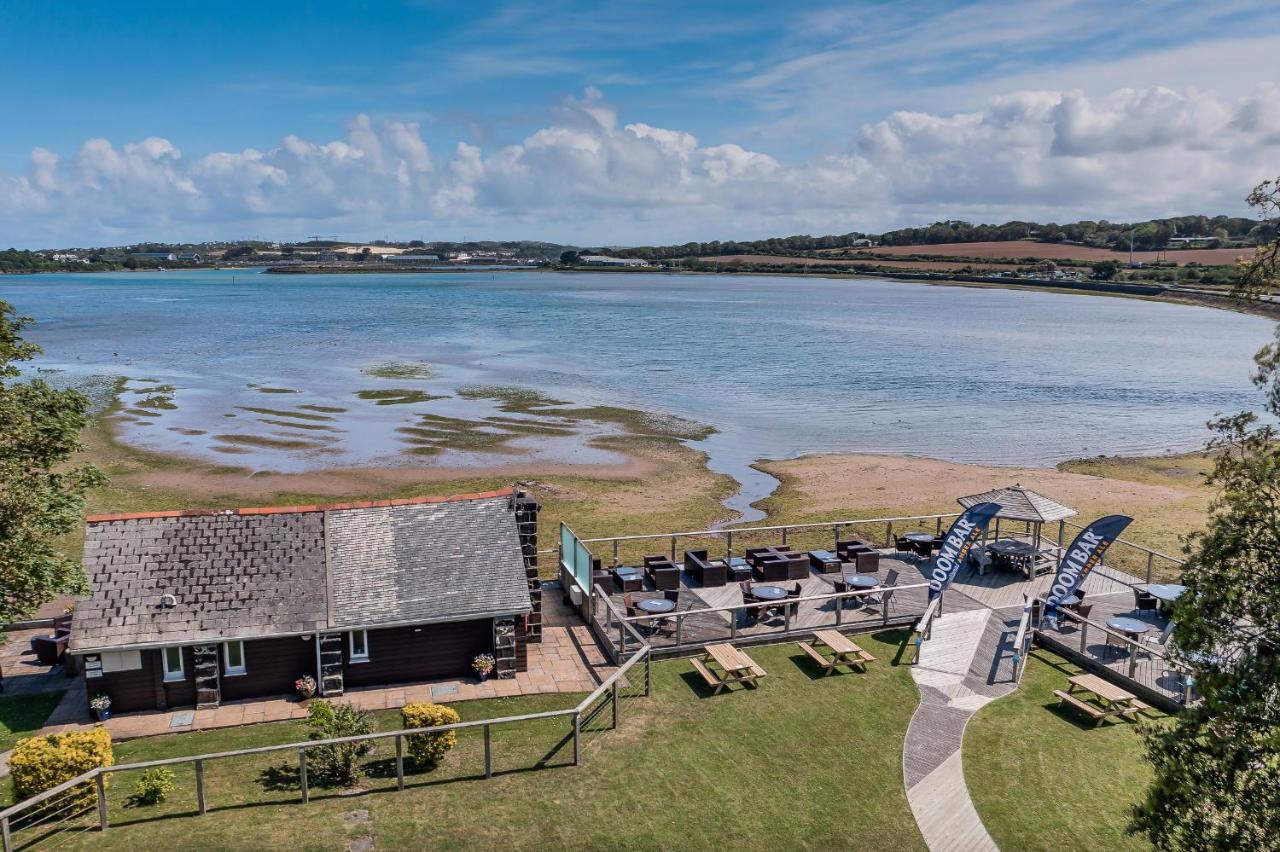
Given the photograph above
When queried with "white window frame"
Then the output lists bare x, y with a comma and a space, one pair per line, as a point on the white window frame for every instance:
228, 669
352, 656
170, 675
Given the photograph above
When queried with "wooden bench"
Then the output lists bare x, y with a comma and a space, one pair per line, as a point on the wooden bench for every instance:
1095, 713
827, 666
709, 676
1135, 707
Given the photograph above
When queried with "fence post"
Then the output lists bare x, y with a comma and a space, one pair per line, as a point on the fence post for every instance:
615, 706
488, 754
1133, 660
1150, 562
673, 548
615, 553
839, 611
302, 775
1062, 533
101, 784
200, 803
888, 533
784, 536
1084, 635
577, 739
647, 682
786, 618
622, 636
937, 527
679, 628
836, 529
399, 762
733, 624
728, 547
5, 840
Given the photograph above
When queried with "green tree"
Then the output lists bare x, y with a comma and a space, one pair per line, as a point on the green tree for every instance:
41, 496
339, 763
1217, 766
569, 258
1106, 269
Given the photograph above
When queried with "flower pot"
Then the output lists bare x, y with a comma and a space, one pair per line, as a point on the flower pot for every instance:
103, 715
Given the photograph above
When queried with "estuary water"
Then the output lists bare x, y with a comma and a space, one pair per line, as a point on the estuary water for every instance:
293, 372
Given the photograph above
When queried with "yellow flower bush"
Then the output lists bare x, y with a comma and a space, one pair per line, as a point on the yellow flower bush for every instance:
40, 763
427, 749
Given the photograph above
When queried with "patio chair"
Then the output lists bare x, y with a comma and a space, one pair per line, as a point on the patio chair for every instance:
1163, 639
701, 568
902, 544
1114, 641
794, 593
662, 572
882, 602
1144, 601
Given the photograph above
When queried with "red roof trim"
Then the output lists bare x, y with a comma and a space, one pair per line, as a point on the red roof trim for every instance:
280, 510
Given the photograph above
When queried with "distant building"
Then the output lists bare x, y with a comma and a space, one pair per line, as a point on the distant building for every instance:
860, 244
67, 258
189, 257
154, 255
605, 260
411, 258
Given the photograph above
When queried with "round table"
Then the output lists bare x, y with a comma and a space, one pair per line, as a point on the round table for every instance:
769, 593
656, 606
861, 581
1167, 592
1129, 626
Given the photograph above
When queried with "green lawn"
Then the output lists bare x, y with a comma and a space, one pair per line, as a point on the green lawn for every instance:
802, 762
1044, 779
21, 715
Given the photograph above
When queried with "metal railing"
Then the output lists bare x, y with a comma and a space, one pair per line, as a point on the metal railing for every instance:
1144, 663
676, 638
1022, 641
74, 799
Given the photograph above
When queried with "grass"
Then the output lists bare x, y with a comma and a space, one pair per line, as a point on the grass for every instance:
765, 769
22, 715
1047, 779
397, 370
397, 396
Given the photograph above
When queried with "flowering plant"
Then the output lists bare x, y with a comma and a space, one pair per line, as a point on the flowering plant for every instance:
306, 686
483, 664
100, 703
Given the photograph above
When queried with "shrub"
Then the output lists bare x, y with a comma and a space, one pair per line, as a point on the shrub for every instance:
39, 763
427, 749
340, 763
153, 787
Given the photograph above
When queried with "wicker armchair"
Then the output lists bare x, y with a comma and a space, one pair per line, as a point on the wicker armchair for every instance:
709, 574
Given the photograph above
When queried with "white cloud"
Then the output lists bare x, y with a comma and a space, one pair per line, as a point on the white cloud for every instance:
586, 177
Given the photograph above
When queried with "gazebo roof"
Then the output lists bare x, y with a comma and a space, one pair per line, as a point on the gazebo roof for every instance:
1021, 504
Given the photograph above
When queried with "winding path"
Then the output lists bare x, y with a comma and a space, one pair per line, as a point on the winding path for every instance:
964, 665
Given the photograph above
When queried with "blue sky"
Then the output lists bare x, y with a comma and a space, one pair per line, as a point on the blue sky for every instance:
573, 121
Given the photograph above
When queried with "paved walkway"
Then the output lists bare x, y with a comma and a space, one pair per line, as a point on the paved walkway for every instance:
964, 665
567, 660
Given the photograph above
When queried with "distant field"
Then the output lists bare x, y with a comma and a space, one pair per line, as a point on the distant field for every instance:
868, 262
1052, 251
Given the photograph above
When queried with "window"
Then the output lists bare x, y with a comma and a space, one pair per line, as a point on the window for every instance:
359, 646
173, 664
233, 658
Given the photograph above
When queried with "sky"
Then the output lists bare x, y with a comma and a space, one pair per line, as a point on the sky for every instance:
612, 123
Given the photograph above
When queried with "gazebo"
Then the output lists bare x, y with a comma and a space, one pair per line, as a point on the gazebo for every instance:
1022, 504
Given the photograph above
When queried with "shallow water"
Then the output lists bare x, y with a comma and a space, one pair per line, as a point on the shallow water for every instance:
780, 366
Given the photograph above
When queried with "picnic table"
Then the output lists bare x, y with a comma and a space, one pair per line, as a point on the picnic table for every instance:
736, 666
1111, 699
844, 651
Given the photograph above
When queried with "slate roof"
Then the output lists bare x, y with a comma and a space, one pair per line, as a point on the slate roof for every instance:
233, 577
1021, 504
266, 572
422, 563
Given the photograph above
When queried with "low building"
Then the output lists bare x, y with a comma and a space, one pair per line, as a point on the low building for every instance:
605, 260
154, 255
411, 258
189, 257
193, 608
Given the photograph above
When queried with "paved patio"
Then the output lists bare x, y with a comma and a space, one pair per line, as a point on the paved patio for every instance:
566, 661
22, 674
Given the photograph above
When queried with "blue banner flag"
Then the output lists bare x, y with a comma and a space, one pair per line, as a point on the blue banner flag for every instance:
960, 539
1084, 554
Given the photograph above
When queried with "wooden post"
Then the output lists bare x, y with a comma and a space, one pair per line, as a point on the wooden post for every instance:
937, 527
5, 840
101, 784
997, 529
488, 754
399, 762
200, 803
733, 625
835, 541
1062, 533
647, 678
673, 548
1150, 564
1084, 635
888, 534
1133, 660
302, 775
615, 553
784, 536
622, 636
679, 626
839, 611
786, 617
615, 705
728, 547
577, 739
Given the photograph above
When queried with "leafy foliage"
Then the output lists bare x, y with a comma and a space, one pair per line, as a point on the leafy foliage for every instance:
41, 498
1217, 783
41, 763
153, 787
427, 749
339, 763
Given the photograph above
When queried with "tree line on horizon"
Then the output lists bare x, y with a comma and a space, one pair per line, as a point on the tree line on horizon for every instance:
1151, 235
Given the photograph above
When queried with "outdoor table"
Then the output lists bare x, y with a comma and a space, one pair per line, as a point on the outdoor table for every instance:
1166, 592
919, 537
656, 606
843, 649
629, 579
1131, 627
1012, 547
737, 666
861, 581
1113, 697
769, 593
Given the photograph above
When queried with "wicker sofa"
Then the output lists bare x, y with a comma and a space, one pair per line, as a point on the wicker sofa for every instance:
702, 569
